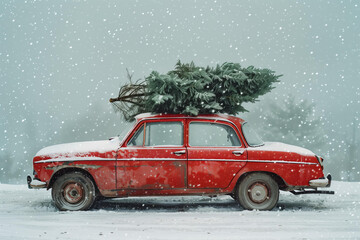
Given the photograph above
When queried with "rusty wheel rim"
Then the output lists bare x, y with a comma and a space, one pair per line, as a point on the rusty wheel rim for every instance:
258, 192
73, 192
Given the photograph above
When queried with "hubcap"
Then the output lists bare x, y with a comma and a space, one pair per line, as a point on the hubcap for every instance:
73, 192
258, 192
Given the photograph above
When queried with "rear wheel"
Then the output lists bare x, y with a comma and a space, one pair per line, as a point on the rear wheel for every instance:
258, 191
73, 191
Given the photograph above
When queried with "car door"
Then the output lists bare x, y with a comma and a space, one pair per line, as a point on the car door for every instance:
215, 153
154, 157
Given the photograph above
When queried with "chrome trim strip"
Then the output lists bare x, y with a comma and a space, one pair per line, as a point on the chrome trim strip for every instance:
255, 161
151, 159
219, 160
283, 162
75, 159
168, 159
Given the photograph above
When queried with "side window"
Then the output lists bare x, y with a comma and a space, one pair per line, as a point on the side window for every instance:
164, 133
212, 134
138, 138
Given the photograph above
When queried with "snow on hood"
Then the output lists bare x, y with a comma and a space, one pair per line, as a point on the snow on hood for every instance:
282, 147
81, 147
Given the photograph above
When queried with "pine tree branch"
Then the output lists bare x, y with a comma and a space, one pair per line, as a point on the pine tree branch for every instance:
124, 98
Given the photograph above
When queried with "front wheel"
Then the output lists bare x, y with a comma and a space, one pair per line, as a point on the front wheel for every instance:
73, 191
258, 191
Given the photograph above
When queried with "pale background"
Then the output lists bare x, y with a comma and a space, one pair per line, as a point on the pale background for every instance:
60, 62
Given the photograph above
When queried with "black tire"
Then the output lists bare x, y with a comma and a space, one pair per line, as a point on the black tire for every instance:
257, 191
73, 192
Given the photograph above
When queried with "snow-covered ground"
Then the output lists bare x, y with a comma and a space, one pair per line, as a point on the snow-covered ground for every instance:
30, 214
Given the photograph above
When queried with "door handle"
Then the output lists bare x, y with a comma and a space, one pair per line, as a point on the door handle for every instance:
178, 153
238, 153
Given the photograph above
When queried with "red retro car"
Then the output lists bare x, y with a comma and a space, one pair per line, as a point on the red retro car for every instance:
178, 155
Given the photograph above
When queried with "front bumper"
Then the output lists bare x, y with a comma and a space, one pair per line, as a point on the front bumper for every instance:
321, 182
35, 184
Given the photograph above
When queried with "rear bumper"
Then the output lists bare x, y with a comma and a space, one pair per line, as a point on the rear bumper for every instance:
35, 184
321, 182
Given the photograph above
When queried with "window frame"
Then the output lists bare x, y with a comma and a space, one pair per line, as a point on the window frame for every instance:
143, 123
214, 122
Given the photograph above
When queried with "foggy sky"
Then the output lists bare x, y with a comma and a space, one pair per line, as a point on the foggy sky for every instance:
60, 61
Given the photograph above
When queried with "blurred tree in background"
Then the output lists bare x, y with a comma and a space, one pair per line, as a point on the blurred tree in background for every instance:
9, 168
351, 162
294, 123
297, 123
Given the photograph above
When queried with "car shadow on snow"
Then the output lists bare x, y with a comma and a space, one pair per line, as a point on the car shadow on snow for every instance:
301, 205
166, 205
190, 204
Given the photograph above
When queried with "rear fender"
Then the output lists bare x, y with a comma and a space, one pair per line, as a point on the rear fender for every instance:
245, 171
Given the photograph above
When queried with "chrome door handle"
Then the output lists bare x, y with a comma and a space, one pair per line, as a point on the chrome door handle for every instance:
178, 153
238, 153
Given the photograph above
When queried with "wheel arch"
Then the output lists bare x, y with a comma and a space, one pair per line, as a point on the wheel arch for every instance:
66, 170
279, 180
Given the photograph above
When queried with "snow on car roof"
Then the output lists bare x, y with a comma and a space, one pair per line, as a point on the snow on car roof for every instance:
209, 116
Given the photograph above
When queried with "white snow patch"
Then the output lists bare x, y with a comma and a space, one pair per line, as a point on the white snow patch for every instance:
30, 214
282, 147
81, 147
145, 115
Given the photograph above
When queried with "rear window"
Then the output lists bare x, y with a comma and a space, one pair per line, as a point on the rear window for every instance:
251, 137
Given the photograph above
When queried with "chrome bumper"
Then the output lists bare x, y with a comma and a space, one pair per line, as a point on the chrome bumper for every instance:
321, 182
35, 184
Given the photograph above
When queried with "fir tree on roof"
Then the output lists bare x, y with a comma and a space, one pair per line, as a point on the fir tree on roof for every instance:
193, 90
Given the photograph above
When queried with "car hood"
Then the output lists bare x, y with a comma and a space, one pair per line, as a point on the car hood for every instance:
282, 147
80, 148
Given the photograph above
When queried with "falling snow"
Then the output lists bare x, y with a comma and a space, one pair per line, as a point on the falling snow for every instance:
61, 62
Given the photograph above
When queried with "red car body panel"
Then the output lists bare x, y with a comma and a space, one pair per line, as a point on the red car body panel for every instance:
176, 170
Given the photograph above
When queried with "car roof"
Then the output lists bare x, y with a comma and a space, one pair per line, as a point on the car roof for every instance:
145, 116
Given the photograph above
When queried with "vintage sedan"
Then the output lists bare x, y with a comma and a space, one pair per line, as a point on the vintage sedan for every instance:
178, 155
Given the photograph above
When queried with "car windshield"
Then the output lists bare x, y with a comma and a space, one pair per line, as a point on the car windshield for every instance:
126, 127
252, 138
